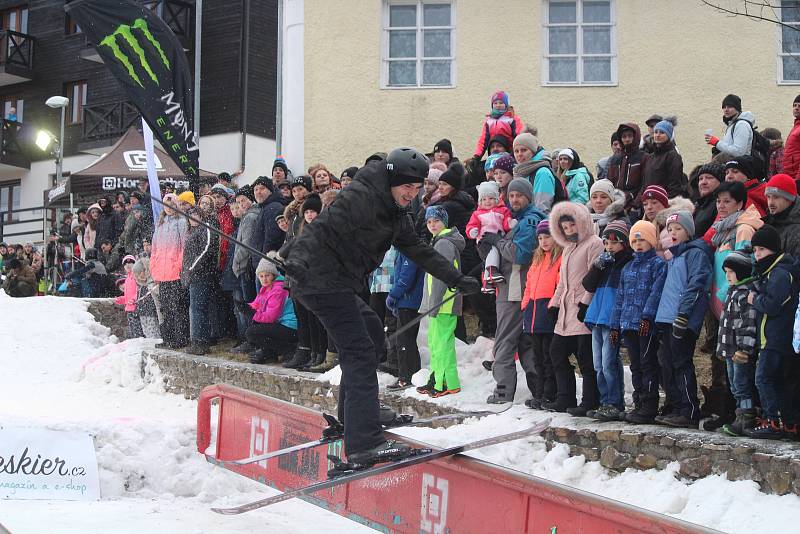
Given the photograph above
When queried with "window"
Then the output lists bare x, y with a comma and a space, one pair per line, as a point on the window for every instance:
418, 45
9, 102
789, 53
579, 43
70, 26
10, 194
15, 19
76, 92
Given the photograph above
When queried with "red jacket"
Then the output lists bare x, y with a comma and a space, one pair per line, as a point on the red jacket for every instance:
756, 195
225, 220
791, 152
508, 125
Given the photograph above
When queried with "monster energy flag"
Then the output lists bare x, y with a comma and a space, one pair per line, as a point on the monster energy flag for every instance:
148, 60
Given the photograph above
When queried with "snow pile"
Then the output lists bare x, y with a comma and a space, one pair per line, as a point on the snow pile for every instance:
74, 376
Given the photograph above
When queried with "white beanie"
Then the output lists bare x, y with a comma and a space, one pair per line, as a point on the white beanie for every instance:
266, 266
603, 186
567, 152
488, 190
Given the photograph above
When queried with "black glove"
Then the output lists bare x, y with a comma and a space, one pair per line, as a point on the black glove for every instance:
582, 311
468, 285
644, 328
613, 337
679, 326
296, 270
491, 237
604, 260
552, 314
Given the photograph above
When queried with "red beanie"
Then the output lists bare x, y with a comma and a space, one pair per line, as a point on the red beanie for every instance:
782, 185
656, 192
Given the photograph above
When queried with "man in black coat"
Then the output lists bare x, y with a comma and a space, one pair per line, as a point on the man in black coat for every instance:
327, 265
272, 203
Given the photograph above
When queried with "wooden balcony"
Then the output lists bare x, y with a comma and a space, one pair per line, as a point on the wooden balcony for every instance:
16, 57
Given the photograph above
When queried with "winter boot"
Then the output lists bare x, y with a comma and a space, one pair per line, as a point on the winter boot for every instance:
196, 348
387, 415
301, 357
243, 348
745, 420
494, 398
644, 415
608, 413
577, 411
436, 393
765, 429
554, 406
316, 359
427, 388
677, 420
327, 364
399, 385
534, 403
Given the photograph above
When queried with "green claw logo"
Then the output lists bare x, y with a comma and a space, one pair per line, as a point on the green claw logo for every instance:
127, 33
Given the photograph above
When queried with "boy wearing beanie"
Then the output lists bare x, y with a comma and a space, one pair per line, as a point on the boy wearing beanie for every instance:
449, 243
494, 217
683, 305
501, 121
633, 318
775, 302
603, 280
736, 344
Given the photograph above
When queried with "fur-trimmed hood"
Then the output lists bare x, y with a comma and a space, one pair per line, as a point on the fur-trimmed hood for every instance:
292, 209
675, 205
579, 212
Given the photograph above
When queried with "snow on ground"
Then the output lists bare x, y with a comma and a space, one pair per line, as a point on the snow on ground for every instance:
62, 370
713, 501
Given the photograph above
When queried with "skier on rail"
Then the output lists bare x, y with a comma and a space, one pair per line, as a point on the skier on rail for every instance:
327, 265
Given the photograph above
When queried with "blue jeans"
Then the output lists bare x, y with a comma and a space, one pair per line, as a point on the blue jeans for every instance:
741, 377
608, 365
201, 296
768, 382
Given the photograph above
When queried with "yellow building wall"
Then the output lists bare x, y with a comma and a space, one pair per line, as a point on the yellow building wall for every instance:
674, 57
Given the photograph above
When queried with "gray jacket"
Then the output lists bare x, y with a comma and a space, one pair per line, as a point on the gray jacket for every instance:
449, 243
738, 140
248, 234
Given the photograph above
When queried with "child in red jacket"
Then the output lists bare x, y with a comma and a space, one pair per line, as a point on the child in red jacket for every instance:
500, 121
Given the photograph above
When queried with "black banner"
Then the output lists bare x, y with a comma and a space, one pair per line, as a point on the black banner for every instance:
148, 60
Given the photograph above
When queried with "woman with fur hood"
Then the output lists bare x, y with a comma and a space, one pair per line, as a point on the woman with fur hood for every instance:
571, 227
606, 204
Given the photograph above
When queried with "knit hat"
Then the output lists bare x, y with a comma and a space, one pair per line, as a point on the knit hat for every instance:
745, 164
266, 266
732, 101
740, 263
488, 190
767, 237
604, 186
246, 191
281, 163
506, 163
796, 99
454, 176
782, 185
714, 169
263, 180
666, 127
312, 202
502, 139
527, 140
656, 192
619, 229
436, 212
434, 174
444, 146
684, 218
644, 230
169, 197
500, 95
653, 119
224, 177
227, 192
521, 185
615, 137
491, 160
187, 196
543, 227
128, 259
350, 172
303, 180
567, 152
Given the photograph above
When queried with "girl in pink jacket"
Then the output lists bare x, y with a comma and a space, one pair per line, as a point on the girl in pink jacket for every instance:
129, 296
493, 217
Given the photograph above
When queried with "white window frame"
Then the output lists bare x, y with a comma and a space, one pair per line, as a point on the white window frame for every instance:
781, 54
385, 60
579, 55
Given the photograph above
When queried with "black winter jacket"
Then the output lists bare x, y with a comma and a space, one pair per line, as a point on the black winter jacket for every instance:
665, 168
705, 213
200, 254
787, 223
271, 235
347, 241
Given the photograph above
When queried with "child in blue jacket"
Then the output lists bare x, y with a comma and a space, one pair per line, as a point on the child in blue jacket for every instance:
403, 301
684, 302
603, 279
632, 319
776, 370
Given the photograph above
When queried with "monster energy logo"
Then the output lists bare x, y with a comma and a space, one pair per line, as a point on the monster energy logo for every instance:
127, 33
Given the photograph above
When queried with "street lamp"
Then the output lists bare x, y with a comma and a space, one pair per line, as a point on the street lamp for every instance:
59, 102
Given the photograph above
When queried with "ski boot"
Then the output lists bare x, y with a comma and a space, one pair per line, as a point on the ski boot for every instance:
334, 430
388, 451
390, 418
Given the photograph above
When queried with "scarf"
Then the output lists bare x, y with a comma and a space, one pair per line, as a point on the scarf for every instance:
523, 170
765, 263
497, 113
723, 227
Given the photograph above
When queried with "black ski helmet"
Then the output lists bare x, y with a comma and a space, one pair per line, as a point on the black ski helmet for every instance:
740, 263
407, 166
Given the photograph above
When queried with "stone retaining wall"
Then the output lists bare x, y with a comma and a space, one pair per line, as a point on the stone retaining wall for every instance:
617, 446
110, 315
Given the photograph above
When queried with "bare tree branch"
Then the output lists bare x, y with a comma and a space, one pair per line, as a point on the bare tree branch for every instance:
753, 10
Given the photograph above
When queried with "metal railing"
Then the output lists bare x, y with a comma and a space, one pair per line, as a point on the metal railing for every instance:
9, 220
107, 120
16, 48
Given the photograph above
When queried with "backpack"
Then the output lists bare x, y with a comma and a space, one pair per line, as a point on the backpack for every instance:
759, 149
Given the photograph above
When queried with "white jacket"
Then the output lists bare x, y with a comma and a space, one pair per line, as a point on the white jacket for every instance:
738, 138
